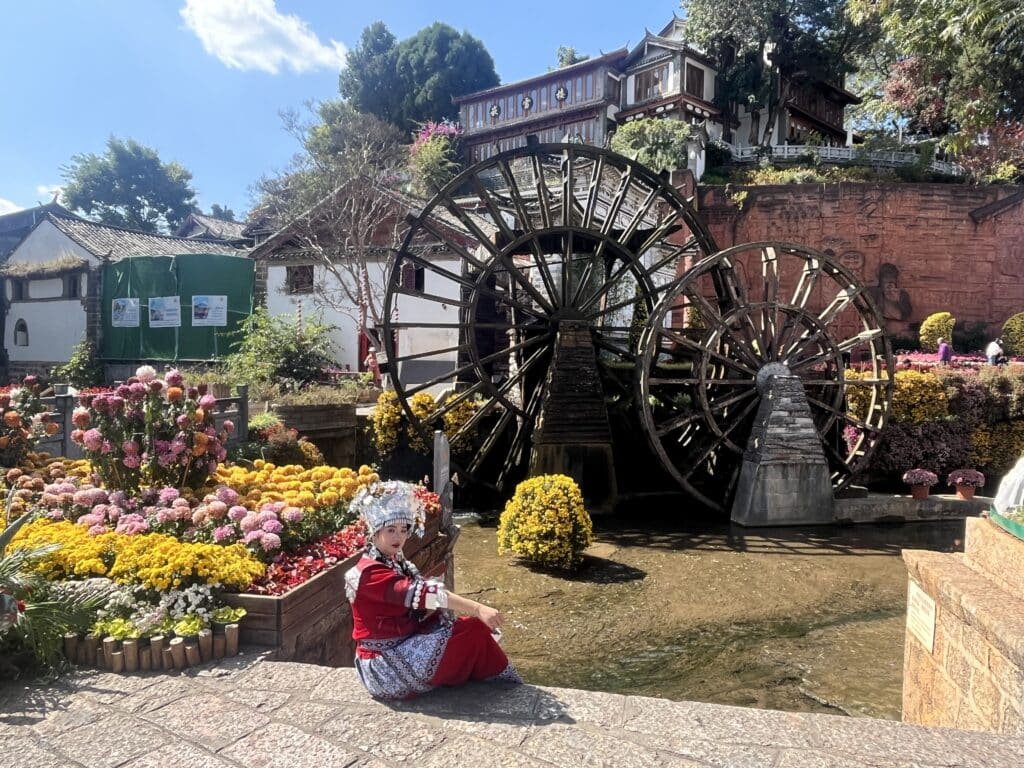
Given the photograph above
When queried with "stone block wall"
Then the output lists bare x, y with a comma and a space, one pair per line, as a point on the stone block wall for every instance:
949, 251
973, 676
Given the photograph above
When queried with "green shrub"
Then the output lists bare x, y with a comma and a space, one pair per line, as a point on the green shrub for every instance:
1013, 335
658, 144
936, 326
546, 523
83, 368
279, 349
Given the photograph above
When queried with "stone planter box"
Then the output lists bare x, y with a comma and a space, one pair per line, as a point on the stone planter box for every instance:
313, 622
332, 428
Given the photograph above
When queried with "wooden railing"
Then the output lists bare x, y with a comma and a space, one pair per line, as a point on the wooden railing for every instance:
877, 158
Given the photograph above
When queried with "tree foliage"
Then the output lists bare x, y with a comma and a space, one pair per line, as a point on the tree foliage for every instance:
567, 56
222, 212
955, 69
658, 144
413, 81
128, 186
767, 46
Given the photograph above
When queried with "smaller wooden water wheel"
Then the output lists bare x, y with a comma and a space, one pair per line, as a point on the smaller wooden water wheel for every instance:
738, 316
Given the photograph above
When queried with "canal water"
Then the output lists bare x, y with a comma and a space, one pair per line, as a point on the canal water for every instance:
799, 619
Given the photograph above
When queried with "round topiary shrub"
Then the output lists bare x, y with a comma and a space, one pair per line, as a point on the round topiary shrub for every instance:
546, 523
935, 327
1013, 335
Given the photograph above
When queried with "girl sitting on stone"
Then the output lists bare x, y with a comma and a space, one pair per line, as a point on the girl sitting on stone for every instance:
407, 641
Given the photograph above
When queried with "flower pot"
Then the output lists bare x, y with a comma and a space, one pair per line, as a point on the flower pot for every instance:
965, 491
219, 626
919, 491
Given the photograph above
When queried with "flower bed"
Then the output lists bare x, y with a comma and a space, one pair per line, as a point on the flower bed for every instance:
156, 536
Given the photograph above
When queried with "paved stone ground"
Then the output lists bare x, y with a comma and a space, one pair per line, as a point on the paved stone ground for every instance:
251, 712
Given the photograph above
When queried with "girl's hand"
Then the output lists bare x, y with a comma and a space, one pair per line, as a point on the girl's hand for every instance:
490, 616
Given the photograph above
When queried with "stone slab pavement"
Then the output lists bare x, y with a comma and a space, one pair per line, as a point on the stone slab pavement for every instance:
263, 714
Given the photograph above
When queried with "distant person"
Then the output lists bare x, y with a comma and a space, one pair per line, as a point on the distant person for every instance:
994, 352
372, 366
945, 352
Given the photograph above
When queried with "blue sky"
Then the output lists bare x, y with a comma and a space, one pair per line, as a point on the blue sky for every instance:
203, 81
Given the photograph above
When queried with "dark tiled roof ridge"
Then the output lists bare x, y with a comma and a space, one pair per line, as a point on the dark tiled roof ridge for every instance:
104, 240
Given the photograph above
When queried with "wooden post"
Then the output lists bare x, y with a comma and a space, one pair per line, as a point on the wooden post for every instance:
71, 647
101, 659
117, 661
206, 644
231, 639
242, 427
130, 649
178, 652
157, 644
145, 659
89, 650
167, 659
109, 646
192, 654
219, 646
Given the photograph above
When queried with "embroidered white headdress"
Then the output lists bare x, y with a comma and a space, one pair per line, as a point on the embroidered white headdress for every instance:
382, 504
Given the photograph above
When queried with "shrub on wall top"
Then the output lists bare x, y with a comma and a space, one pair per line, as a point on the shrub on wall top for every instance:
936, 326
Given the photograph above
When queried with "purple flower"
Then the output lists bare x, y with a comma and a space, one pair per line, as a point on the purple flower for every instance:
137, 391
174, 378
252, 536
183, 421
249, 523
93, 439
229, 426
270, 541
167, 495
132, 462
228, 495
132, 524
101, 403
291, 514
223, 533
207, 401
218, 509
237, 513
122, 392
272, 526
97, 529
156, 386
130, 447
115, 403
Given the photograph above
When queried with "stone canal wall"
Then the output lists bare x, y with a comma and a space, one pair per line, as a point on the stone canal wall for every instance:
964, 653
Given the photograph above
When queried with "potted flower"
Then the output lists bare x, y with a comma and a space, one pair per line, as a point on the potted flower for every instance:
225, 615
920, 480
966, 481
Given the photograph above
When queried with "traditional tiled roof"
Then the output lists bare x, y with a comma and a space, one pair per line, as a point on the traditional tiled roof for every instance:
209, 227
114, 243
14, 226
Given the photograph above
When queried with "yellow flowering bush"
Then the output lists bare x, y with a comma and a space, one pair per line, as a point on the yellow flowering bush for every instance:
161, 562
387, 419
459, 416
996, 447
151, 560
322, 487
936, 326
423, 406
918, 397
545, 522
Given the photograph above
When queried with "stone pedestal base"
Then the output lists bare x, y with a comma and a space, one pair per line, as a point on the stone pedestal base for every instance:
972, 676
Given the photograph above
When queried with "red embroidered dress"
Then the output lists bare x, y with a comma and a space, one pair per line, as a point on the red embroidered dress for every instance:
406, 643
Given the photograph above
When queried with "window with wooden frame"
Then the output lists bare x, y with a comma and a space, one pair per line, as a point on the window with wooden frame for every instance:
651, 83
19, 290
72, 283
299, 278
695, 81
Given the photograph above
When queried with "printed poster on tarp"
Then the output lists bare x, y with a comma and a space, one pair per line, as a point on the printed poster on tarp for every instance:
164, 312
124, 313
210, 310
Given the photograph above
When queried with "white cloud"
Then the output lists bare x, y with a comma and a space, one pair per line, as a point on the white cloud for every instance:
6, 206
47, 191
253, 34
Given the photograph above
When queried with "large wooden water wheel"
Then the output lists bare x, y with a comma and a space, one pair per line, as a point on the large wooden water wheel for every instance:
595, 279
743, 314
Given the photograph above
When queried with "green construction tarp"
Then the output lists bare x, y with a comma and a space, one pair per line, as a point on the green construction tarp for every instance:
202, 275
